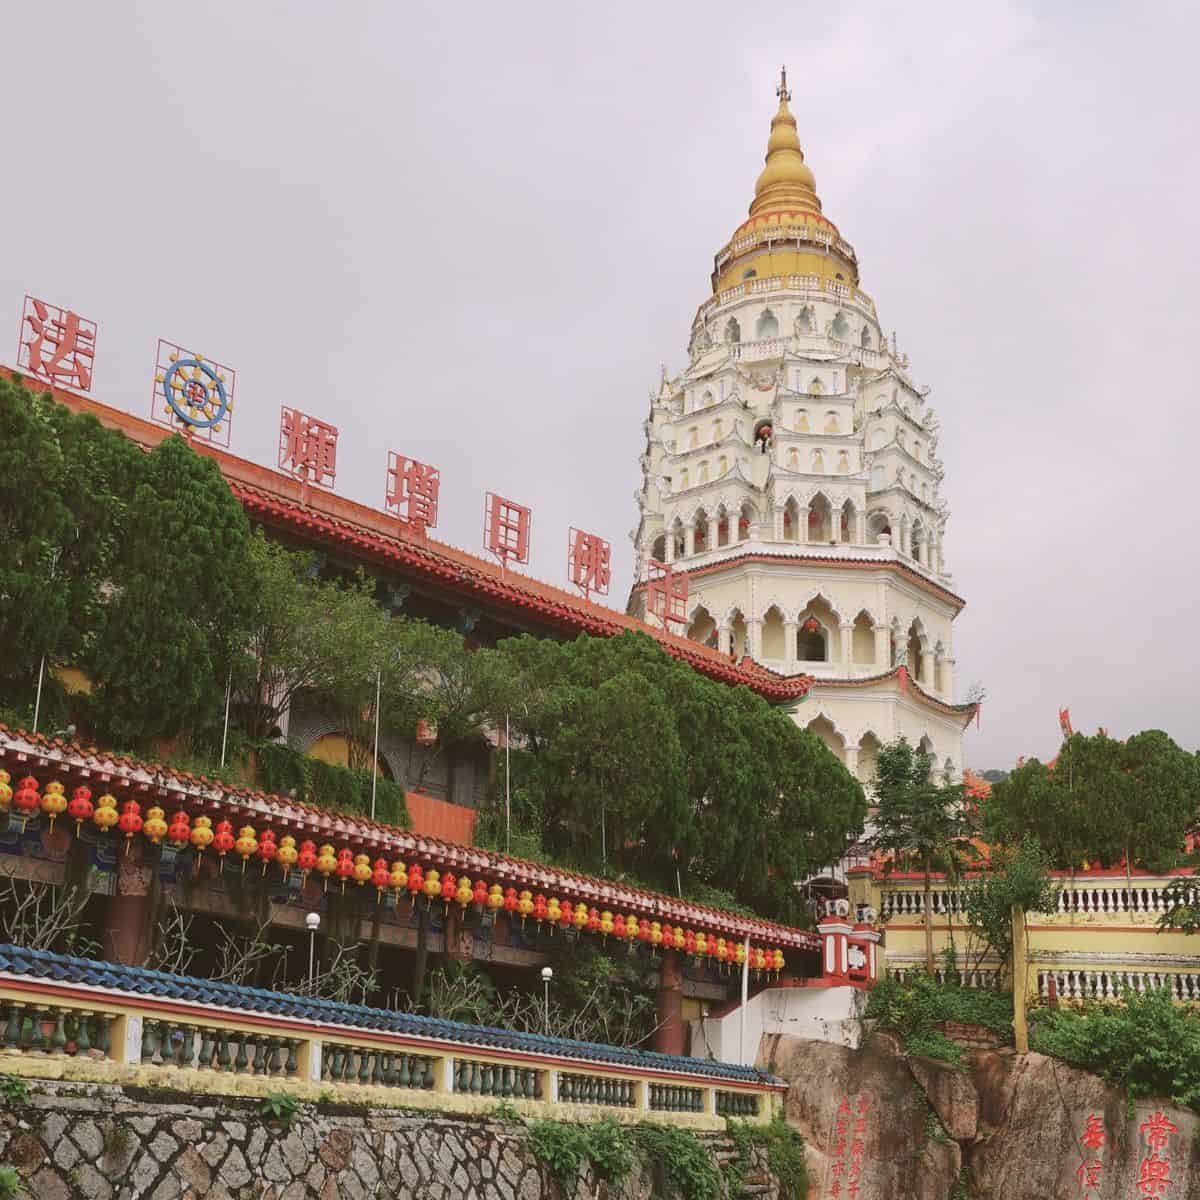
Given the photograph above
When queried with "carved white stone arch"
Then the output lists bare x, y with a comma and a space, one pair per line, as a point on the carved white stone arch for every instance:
819, 593
822, 711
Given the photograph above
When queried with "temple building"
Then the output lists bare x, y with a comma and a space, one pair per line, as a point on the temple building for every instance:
791, 473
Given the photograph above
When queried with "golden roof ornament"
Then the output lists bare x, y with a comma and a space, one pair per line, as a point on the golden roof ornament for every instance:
786, 181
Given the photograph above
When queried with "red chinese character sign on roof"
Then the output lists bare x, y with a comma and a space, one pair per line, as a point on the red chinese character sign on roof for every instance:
412, 490
192, 394
666, 593
588, 562
506, 529
307, 448
57, 344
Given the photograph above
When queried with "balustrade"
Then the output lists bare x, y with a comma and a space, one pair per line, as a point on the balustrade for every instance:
597, 1089
737, 1104
341, 1063
56, 1029
478, 1077
172, 1043
669, 1097
1083, 898
1075, 983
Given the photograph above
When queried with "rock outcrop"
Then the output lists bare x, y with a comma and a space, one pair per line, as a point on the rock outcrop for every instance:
1020, 1126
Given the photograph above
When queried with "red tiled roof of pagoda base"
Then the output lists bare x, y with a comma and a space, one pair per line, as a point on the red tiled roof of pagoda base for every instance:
276, 499
22, 751
866, 564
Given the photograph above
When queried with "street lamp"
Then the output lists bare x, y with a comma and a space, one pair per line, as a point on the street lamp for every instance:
312, 921
547, 975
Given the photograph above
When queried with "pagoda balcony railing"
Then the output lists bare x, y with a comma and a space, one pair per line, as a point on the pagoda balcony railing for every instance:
1141, 900
82, 1020
807, 284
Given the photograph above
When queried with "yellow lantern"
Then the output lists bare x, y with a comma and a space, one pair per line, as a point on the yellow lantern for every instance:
155, 825
677, 938
246, 844
286, 855
432, 887
326, 862
202, 831
53, 801
777, 960
398, 879
495, 900
463, 893
739, 953
553, 912
606, 923
701, 946
525, 905
656, 933
5, 791
631, 928
579, 920
106, 815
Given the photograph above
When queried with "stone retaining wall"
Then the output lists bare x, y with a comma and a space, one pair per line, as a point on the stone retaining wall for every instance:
103, 1142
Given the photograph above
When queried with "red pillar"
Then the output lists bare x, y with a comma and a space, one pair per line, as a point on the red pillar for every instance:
127, 917
669, 1036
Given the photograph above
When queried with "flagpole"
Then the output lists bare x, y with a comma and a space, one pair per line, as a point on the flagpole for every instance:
745, 997
375, 767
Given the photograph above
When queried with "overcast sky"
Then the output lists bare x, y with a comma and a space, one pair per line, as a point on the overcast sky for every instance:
472, 232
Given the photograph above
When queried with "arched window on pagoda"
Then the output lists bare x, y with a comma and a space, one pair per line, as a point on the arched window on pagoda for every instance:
812, 640
703, 628
733, 331
863, 639
820, 519
767, 325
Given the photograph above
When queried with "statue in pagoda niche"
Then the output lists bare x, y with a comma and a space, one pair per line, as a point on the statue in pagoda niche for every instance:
803, 324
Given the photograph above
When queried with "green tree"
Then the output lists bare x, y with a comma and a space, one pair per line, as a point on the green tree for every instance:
917, 816
1039, 801
65, 482
180, 604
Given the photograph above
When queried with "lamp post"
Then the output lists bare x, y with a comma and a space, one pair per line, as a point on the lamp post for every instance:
547, 975
312, 922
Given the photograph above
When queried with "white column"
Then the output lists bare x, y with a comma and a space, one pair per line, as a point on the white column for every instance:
754, 637
670, 545
689, 540
790, 628
851, 753
860, 523
883, 646
835, 525
714, 526
948, 678
724, 639
926, 677
778, 524
847, 631
802, 530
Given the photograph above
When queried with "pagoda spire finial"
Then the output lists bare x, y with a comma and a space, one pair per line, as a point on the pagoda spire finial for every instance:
786, 181
782, 90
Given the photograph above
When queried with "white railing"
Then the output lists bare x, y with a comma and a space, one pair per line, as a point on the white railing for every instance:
1077, 983
986, 979
1142, 898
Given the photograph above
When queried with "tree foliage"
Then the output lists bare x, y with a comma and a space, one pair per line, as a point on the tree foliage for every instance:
1103, 800
630, 757
1014, 877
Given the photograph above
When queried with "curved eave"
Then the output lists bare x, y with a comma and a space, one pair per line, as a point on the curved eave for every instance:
27, 752
965, 712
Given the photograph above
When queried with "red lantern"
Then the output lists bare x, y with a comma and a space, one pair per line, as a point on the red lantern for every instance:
223, 840
565, 917
643, 931
812, 625
593, 921
267, 848
306, 858
480, 895
345, 865
130, 821
27, 799
180, 829
416, 883
81, 807
510, 900
448, 886
540, 908
689, 942
381, 876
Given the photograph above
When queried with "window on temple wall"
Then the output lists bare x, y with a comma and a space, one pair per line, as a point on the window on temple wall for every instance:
868, 758
793, 459
816, 387
737, 635
818, 462
843, 463
707, 400
817, 637
733, 331
866, 337
703, 628
704, 472
718, 430
722, 528
745, 518
774, 635
693, 437
916, 651
802, 421
767, 325
831, 422
700, 538
915, 539
846, 522
722, 467
658, 548
820, 519
878, 524
840, 328
791, 520
863, 639
683, 479
804, 321
823, 728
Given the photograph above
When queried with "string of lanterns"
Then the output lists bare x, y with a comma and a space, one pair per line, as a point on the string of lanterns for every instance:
423, 886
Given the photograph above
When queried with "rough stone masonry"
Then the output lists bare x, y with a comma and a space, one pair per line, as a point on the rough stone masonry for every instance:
105, 1142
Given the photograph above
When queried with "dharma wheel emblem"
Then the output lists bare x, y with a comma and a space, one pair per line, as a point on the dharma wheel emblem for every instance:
195, 393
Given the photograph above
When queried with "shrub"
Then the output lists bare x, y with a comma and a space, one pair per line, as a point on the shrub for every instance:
785, 1156
691, 1169
1147, 1045
10, 1183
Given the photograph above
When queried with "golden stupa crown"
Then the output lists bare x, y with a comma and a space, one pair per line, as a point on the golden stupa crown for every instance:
786, 181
